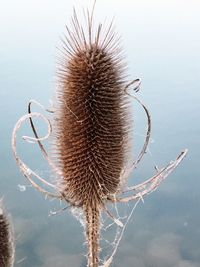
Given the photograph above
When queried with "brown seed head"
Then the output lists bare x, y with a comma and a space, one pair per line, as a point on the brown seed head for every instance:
90, 121
6, 240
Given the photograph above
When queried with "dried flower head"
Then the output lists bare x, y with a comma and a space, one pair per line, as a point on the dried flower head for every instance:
6, 240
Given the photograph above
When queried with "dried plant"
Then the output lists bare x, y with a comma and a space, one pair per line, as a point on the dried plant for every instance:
6, 240
91, 131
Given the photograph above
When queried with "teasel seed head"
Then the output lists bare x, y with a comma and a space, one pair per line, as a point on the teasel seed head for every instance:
6, 240
91, 123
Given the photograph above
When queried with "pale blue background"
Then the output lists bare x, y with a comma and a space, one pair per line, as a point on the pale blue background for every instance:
161, 40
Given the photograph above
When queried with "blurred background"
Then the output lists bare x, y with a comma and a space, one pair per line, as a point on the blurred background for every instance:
161, 41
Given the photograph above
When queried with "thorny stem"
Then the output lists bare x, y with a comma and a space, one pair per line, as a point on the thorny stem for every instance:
92, 215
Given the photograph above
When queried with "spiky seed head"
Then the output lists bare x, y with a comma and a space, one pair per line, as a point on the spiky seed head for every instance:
91, 118
6, 240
